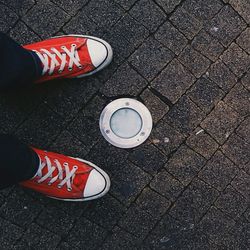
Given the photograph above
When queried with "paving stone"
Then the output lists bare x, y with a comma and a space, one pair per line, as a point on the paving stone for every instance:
194, 61
231, 202
105, 212
88, 236
186, 22
247, 214
125, 81
82, 24
194, 202
120, 239
239, 99
41, 127
244, 129
148, 13
173, 81
246, 81
236, 59
166, 137
226, 25
155, 105
242, 7
20, 7
185, 115
203, 10
221, 75
69, 145
216, 225
104, 13
244, 40
71, 6
20, 211
205, 94
71, 96
219, 171
185, 164
126, 4
168, 5
51, 20
8, 18
221, 122
202, 143
56, 221
9, 233
149, 62
148, 158
168, 35
23, 34
172, 234
86, 125
242, 184
207, 45
166, 185
237, 149
246, 168
152, 202
37, 237
137, 222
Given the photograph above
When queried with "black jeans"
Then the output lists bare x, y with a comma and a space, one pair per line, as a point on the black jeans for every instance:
18, 67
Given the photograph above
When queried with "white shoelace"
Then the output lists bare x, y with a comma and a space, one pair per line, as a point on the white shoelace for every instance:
72, 54
64, 180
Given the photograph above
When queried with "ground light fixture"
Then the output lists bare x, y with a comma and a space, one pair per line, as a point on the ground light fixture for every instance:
125, 123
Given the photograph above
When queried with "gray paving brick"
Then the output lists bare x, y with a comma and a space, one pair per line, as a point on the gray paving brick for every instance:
244, 129
239, 99
205, 94
168, 35
173, 81
231, 202
226, 25
237, 149
148, 158
194, 202
166, 137
236, 59
201, 142
125, 81
246, 81
207, 45
221, 75
148, 13
242, 184
8, 18
242, 7
126, 4
203, 10
167, 185
185, 164
244, 40
71, 6
194, 61
168, 5
185, 115
137, 222
221, 122
219, 171
149, 62
186, 22
51, 18
20, 7
155, 105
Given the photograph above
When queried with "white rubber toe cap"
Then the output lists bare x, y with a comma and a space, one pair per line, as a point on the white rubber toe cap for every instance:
96, 184
97, 51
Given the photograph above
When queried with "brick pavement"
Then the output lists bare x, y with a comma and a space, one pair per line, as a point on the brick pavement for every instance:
188, 186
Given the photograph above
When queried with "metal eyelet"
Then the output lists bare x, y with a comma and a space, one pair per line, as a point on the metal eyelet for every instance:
70, 69
63, 47
69, 189
59, 71
75, 167
49, 184
80, 66
65, 164
59, 186
73, 45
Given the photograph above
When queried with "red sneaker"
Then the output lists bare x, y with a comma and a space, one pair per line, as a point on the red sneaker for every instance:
71, 56
69, 179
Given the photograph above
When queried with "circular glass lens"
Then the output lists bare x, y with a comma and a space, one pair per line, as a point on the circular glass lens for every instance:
126, 123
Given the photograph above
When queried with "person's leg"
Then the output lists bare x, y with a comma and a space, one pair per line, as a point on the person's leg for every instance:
18, 162
18, 66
